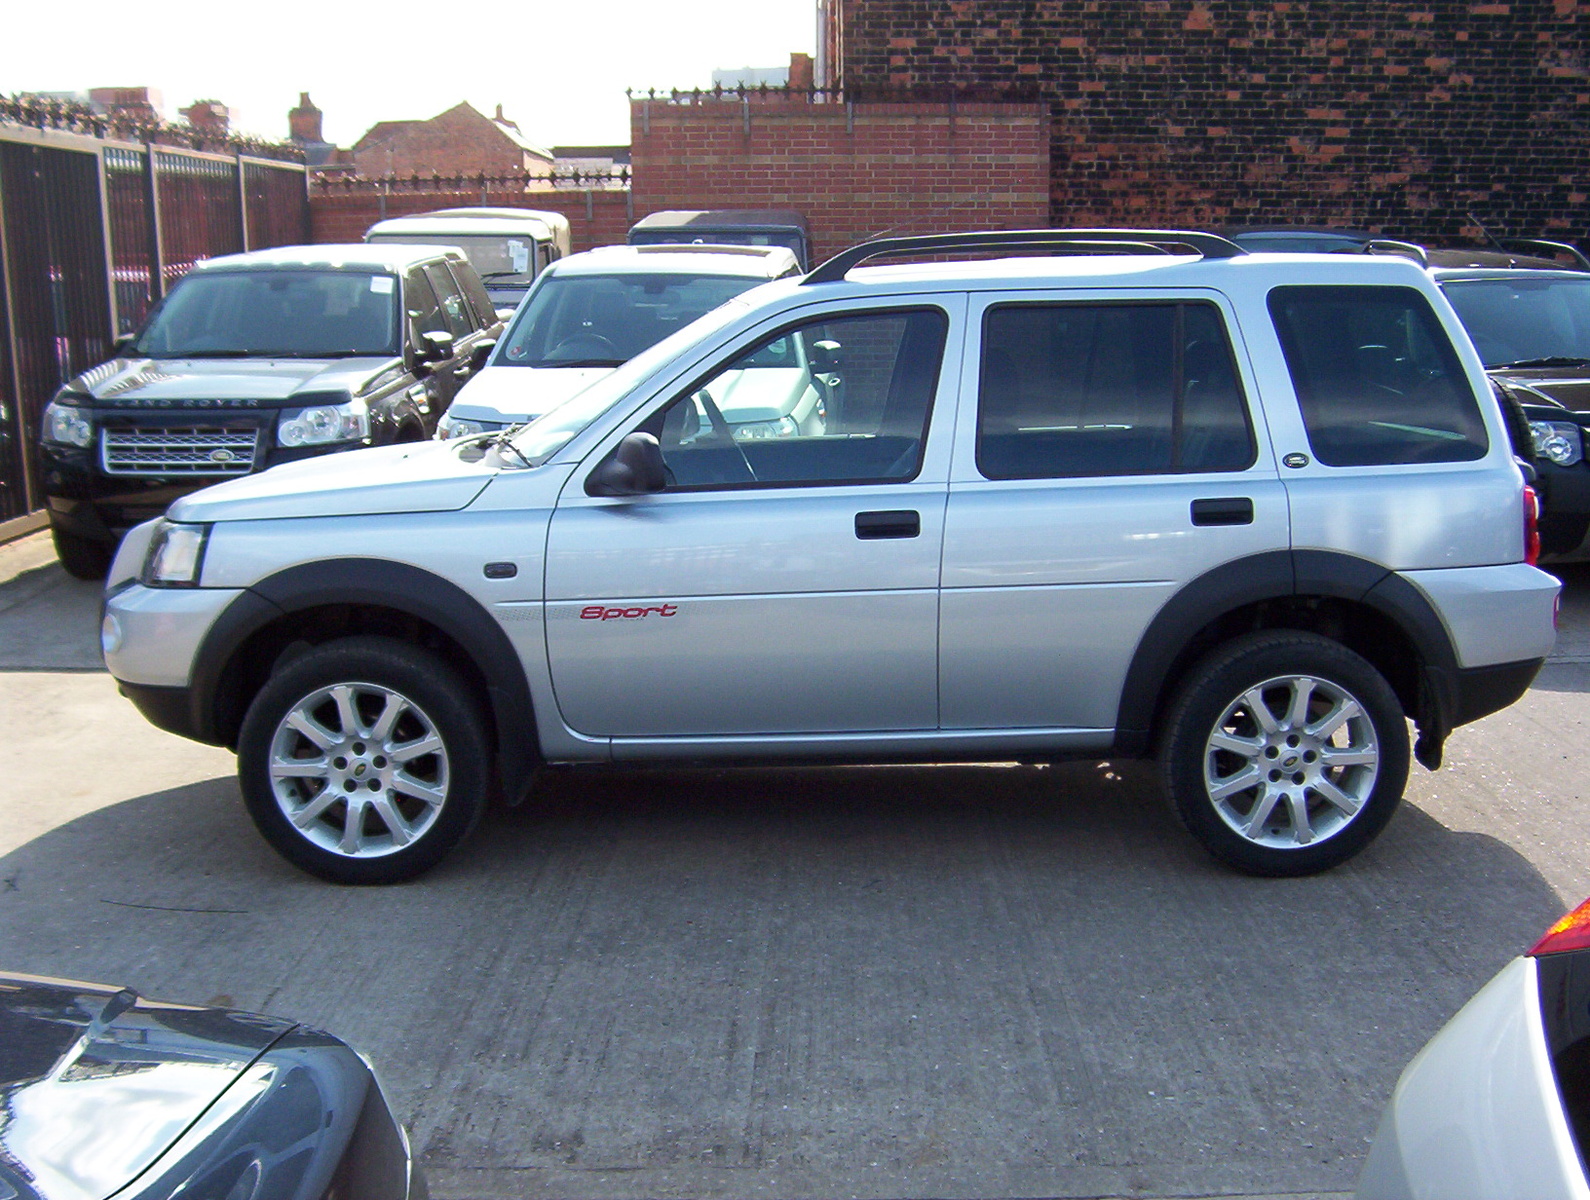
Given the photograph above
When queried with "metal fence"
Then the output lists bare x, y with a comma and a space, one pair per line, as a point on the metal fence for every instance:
92, 233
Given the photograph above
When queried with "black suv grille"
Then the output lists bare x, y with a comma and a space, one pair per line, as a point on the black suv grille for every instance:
178, 450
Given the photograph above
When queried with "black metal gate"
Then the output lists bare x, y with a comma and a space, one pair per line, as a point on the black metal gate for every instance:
92, 232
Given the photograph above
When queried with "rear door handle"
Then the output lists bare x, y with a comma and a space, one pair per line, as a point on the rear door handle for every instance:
890, 523
1225, 510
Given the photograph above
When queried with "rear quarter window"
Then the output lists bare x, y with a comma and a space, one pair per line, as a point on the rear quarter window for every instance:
1376, 377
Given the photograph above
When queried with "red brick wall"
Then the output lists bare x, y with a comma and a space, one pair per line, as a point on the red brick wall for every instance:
342, 212
1383, 113
854, 171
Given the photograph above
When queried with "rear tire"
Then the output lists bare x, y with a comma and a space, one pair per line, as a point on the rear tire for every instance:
82, 557
365, 761
1284, 753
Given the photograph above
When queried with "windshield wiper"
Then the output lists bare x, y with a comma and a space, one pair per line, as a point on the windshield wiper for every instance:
1555, 361
576, 362
502, 275
207, 354
504, 441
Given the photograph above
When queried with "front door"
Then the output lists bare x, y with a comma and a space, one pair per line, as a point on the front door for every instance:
785, 581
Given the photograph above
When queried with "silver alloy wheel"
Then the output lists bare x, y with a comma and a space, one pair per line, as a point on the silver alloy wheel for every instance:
1291, 762
358, 769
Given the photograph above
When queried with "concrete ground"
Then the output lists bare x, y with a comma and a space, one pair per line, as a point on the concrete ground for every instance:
879, 982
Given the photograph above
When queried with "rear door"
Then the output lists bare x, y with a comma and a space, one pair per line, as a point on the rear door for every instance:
786, 580
1112, 456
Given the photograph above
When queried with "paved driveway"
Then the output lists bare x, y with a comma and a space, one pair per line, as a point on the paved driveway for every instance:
989, 981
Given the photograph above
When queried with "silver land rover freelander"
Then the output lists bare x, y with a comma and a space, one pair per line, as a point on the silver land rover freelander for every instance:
1119, 493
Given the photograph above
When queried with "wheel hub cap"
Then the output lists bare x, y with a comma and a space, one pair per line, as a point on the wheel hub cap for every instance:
1291, 761
359, 769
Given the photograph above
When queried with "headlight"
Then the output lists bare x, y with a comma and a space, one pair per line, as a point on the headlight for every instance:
66, 425
756, 430
1559, 442
456, 427
324, 424
176, 555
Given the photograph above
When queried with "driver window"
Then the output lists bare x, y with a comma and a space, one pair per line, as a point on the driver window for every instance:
840, 400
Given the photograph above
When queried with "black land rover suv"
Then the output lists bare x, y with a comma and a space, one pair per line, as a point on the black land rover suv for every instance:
253, 360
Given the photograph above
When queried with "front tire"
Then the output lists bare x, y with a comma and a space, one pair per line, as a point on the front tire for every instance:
82, 557
1284, 753
364, 761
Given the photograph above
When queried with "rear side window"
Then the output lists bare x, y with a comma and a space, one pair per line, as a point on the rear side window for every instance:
475, 292
1376, 377
1072, 390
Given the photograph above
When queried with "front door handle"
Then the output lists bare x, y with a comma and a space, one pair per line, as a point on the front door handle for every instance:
1225, 510
890, 523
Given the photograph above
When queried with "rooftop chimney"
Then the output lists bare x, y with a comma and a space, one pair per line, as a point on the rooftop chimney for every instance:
209, 117
303, 122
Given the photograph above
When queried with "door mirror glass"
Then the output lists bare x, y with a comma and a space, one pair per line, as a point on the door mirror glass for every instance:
635, 468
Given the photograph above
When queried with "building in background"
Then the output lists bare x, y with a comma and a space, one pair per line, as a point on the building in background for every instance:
459, 142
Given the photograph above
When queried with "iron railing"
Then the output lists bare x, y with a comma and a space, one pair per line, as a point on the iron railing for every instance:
93, 230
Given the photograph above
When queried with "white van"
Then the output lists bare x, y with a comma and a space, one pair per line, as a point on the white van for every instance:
594, 311
508, 247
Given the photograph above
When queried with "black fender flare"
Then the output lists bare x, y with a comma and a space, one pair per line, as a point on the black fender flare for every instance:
1275, 575
385, 584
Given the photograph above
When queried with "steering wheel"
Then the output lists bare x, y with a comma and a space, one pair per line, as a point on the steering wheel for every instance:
585, 345
720, 428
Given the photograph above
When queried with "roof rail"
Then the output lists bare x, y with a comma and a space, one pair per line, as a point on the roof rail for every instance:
1391, 246
1581, 262
1076, 241
703, 248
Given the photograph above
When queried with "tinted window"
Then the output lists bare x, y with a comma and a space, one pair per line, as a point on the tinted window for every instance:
1376, 377
475, 293
425, 313
1108, 389
842, 400
1523, 320
454, 309
276, 313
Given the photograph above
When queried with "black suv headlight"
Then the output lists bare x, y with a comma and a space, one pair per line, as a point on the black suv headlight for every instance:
1559, 442
324, 424
65, 424
176, 555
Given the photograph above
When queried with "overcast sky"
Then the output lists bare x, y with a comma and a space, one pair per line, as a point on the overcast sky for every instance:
560, 70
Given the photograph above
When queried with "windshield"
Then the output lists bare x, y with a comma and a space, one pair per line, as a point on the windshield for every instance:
275, 313
1525, 321
499, 260
538, 441
603, 320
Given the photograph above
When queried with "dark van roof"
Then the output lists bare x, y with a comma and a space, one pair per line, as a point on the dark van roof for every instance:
723, 218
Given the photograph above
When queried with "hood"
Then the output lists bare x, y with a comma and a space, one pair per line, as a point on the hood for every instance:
407, 478
759, 393
225, 382
1567, 386
95, 1084
511, 394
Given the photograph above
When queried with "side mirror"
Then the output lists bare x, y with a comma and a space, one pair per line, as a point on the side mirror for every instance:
635, 468
825, 356
436, 346
481, 352
123, 345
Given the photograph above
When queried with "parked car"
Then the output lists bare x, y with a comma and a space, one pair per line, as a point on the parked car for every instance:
253, 360
590, 313
1498, 1102
1180, 502
103, 1093
508, 247
727, 227
1529, 316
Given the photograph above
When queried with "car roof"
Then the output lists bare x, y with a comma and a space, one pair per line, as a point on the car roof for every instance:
388, 256
723, 218
1550, 271
750, 262
464, 221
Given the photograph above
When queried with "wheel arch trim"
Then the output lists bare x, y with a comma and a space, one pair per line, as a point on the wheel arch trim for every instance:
1277, 575
385, 584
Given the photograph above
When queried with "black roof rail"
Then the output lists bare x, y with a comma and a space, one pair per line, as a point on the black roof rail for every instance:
1579, 258
1392, 246
1076, 241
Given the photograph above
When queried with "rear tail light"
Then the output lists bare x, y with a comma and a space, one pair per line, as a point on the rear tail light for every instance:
1531, 526
1570, 933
